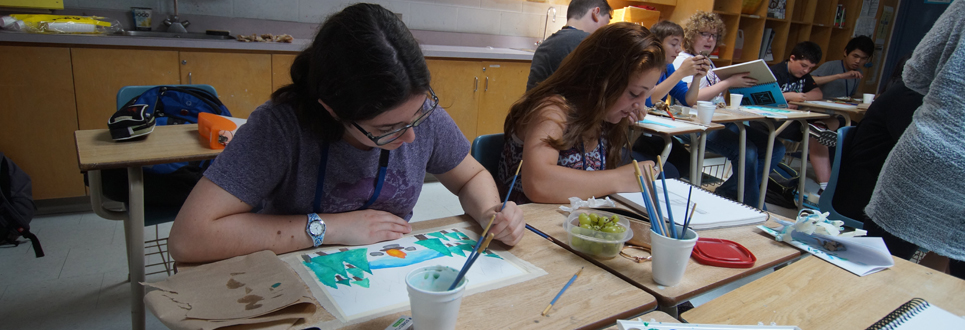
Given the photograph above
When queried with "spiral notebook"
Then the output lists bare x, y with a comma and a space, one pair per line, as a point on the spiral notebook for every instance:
919, 314
712, 211
766, 92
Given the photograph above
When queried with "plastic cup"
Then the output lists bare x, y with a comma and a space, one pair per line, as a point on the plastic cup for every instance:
434, 306
705, 113
735, 100
670, 256
868, 98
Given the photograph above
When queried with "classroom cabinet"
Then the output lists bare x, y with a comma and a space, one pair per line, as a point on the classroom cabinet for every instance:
478, 94
243, 80
39, 117
100, 72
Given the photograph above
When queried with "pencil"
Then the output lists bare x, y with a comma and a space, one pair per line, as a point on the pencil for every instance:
562, 290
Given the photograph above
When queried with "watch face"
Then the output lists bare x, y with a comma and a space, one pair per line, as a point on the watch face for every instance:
315, 228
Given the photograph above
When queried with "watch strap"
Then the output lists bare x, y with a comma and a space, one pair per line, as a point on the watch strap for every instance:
316, 239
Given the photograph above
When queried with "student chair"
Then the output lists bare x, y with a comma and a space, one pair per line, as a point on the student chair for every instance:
486, 149
825, 203
112, 203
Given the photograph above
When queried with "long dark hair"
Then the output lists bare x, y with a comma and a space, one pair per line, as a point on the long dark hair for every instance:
362, 62
589, 80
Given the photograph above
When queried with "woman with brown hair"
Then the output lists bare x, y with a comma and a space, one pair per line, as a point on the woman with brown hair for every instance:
571, 130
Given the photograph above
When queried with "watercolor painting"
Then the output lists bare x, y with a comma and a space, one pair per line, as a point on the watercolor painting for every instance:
360, 280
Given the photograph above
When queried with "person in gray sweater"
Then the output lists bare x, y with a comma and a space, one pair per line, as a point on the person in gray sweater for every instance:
920, 195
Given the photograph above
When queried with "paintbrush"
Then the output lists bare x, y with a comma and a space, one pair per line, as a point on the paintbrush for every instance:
472, 259
666, 198
646, 200
562, 290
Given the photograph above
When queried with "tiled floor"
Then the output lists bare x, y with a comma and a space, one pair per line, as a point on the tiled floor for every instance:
81, 283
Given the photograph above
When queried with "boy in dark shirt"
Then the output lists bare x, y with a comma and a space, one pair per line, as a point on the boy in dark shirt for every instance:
583, 17
794, 75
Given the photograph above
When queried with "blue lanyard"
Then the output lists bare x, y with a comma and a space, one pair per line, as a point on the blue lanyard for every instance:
847, 90
320, 184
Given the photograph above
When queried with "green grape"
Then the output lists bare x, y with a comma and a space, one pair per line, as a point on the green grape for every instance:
584, 219
577, 243
610, 229
596, 227
595, 248
615, 218
611, 248
594, 217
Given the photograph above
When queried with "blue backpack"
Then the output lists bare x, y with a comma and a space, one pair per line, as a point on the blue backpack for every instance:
174, 105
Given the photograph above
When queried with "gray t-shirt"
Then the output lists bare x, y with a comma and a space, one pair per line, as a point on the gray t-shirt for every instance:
273, 163
551, 53
837, 87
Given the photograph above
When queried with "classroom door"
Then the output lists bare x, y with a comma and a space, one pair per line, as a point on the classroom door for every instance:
914, 20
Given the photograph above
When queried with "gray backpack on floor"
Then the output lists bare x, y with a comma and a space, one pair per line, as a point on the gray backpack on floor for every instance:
16, 206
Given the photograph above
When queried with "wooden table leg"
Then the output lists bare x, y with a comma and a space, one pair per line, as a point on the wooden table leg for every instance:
771, 136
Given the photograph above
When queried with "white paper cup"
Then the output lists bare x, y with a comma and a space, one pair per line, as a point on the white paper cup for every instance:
685, 111
705, 113
868, 98
670, 256
434, 306
735, 100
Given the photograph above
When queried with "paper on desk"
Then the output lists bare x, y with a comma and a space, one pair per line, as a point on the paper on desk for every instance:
833, 105
861, 255
767, 112
257, 290
669, 123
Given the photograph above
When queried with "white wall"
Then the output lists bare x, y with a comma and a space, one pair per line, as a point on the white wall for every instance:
497, 17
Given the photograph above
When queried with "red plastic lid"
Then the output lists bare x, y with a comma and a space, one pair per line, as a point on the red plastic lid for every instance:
722, 253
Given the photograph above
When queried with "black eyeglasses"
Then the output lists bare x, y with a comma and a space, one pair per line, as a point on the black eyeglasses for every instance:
428, 106
709, 35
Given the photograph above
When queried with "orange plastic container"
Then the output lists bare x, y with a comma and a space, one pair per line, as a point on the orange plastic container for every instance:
215, 131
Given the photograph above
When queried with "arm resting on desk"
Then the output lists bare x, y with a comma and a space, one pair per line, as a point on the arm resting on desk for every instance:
546, 182
480, 199
215, 225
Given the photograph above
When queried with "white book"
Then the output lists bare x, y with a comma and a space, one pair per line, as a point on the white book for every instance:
859, 255
712, 211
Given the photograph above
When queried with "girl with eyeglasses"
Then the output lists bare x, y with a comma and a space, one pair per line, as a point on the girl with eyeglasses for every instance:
340, 155
570, 131
702, 33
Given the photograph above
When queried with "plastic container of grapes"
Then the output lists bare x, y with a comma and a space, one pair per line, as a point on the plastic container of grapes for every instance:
597, 244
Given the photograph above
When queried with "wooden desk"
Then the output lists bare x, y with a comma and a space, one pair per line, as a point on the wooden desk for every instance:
814, 294
667, 132
697, 280
97, 151
596, 299
843, 110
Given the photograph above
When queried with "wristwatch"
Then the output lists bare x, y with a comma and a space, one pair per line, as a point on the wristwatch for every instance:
316, 229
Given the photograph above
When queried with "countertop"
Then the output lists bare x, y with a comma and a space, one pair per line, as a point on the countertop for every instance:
296, 46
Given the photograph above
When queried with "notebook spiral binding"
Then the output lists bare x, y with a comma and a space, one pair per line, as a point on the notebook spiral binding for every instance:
901, 315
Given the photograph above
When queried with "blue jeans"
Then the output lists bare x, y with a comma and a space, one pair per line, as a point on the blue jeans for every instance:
726, 142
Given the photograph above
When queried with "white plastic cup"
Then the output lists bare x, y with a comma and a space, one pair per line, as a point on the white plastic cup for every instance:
671, 256
434, 306
705, 113
868, 98
735, 100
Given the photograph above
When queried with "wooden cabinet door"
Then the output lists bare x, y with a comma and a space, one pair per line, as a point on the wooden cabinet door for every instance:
243, 81
456, 83
99, 73
38, 118
281, 70
506, 84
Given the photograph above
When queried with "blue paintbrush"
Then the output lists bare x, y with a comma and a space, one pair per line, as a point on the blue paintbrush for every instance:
666, 198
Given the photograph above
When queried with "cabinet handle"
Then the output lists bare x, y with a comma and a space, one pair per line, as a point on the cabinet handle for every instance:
189, 78
487, 84
475, 84
184, 62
